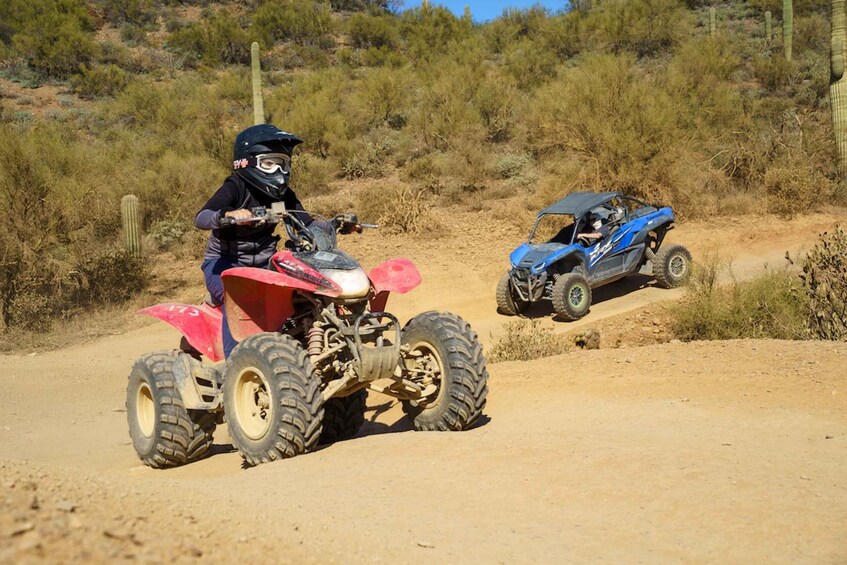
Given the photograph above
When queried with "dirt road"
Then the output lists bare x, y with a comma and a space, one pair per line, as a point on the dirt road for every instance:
677, 452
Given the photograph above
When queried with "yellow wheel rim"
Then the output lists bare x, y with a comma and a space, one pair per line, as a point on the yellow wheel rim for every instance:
145, 409
253, 409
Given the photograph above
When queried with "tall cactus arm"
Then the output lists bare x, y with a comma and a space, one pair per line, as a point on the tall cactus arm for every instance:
258, 102
131, 224
768, 26
787, 27
838, 83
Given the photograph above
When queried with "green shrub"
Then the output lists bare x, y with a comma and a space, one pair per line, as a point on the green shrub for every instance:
305, 22
311, 175
514, 165
524, 340
396, 208
215, 40
168, 232
100, 80
368, 160
792, 188
768, 306
381, 97
138, 12
643, 27
312, 109
429, 31
824, 280
613, 115
773, 71
55, 44
530, 64
374, 31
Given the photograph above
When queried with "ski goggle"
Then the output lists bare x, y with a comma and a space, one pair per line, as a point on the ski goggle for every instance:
273, 162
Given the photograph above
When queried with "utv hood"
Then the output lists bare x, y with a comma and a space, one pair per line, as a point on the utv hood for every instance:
537, 257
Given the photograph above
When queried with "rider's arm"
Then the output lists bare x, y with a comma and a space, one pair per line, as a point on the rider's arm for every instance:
222, 203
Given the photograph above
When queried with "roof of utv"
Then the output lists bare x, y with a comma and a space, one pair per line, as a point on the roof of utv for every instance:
578, 203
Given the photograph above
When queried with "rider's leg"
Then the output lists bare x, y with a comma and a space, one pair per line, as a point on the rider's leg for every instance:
212, 269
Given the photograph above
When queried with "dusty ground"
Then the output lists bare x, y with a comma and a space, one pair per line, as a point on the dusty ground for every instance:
696, 452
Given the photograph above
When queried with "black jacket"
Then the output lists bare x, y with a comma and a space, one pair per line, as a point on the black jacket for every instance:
248, 245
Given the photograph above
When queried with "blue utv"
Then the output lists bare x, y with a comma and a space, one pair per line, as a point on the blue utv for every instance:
586, 240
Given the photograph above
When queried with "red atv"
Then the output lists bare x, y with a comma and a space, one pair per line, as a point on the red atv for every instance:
313, 338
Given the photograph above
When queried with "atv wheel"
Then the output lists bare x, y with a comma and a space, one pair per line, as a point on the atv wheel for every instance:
571, 296
444, 354
672, 266
343, 417
507, 303
164, 433
271, 399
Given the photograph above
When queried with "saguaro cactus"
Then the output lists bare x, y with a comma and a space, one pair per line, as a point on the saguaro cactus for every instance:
768, 27
258, 102
131, 224
712, 21
838, 83
787, 26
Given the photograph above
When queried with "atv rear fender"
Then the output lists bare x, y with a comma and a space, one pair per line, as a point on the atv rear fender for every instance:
201, 325
394, 275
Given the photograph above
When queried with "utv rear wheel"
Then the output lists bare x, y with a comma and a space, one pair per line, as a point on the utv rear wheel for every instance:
672, 266
343, 417
164, 433
571, 296
446, 359
507, 302
272, 401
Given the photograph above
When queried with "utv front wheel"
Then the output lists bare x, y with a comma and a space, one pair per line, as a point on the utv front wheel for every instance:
271, 399
672, 266
446, 360
164, 433
343, 417
507, 302
571, 296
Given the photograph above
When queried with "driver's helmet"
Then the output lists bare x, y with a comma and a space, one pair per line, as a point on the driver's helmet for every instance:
598, 217
262, 157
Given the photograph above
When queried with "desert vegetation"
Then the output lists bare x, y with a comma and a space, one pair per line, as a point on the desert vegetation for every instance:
801, 300
436, 109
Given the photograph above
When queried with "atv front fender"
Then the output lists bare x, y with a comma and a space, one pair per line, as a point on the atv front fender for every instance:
201, 325
258, 300
394, 275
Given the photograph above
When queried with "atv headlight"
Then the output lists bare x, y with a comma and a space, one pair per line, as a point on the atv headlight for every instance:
354, 283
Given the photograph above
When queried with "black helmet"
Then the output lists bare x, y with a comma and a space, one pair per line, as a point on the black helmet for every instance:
262, 157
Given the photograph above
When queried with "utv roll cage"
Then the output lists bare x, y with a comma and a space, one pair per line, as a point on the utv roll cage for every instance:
577, 204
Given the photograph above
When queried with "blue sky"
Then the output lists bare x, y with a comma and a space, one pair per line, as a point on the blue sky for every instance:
489, 9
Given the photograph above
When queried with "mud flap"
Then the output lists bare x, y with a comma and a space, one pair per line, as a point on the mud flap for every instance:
377, 361
199, 384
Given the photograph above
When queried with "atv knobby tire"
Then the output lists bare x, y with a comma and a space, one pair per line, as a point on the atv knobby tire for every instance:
448, 342
343, 416
164, 433
571, 296
272, 400
672, 266
507, 304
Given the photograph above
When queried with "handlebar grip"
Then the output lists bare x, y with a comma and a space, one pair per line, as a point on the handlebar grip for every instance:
226, 221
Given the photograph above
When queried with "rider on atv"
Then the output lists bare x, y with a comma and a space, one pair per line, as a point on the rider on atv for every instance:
262, 166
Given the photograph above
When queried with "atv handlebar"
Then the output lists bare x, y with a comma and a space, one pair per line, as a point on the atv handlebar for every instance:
295, 228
